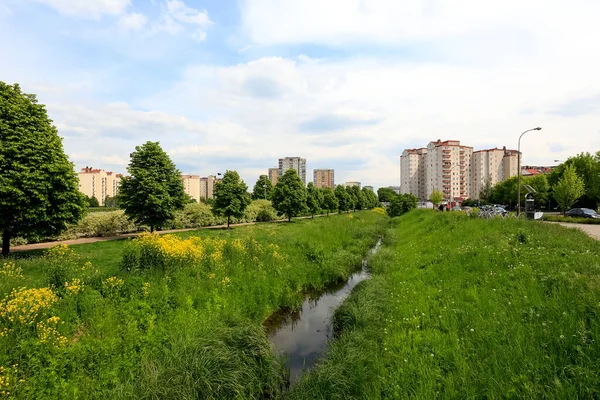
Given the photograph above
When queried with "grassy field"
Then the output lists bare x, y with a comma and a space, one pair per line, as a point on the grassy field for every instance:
174, 317
461, 307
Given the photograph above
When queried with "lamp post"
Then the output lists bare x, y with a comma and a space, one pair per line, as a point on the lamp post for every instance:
519, 169
265, 185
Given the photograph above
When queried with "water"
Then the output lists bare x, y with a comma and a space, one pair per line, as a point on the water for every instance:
302, 334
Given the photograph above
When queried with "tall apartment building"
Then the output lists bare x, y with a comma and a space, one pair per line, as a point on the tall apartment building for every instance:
297, 163
324, 178
273, 175
191, 186
98, 183
455, 170
350, 184
207, 187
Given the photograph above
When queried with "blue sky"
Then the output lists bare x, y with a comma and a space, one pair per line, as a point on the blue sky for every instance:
347, 84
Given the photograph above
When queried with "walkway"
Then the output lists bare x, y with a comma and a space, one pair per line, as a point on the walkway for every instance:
592, 230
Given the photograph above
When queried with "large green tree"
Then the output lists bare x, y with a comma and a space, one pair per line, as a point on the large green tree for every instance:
263, 189
385, 194
92, 201
357, 197
401, 204
370, 198
569, 188
330, 201
343, 198
38, 187
154, 191
289, 195
587, 166
231, 196
314, 199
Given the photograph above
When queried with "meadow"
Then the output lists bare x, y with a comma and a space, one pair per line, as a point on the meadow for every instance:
171, 316
460, 307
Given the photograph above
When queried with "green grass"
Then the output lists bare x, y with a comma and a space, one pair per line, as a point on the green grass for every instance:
178, 333
461, 307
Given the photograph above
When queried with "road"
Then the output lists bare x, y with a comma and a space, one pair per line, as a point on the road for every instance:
592, 230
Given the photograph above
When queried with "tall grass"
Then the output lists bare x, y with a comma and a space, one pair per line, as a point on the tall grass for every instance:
173, 317
466, 308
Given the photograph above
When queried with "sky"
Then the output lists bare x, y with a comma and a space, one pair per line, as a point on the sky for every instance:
346, 84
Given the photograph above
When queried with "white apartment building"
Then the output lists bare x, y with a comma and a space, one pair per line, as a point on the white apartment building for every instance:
297, 163
191, 186
207, 187
98, 183
455, 170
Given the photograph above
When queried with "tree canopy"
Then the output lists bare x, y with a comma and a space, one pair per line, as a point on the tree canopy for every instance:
92, 201
343, 198
330, 201
231, 196
314, 199
39, 190
436, 197
358, 199
385, 194
154, 191
568, 189
370, 198
263, 188
587, 166
401, 204
289, 195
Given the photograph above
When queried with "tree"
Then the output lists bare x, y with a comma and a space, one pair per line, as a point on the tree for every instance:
401, 204
385, 194
263, 189
314, 199
436, 198
486, 190
92, 201
357, 197
343, 198
587, 166
111, 202
370, 198
569, 188
39, 191
231, 196
330, 201
289, 195
154, 191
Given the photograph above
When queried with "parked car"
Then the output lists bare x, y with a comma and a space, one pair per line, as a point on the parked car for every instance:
582, 213
456, 208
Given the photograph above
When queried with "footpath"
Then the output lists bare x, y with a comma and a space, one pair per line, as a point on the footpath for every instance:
47, 245
591, 230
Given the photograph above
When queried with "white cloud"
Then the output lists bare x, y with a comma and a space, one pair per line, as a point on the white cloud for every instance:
132, 21
177, 17
87, 8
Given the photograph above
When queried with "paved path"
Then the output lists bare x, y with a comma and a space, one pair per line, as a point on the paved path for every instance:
592, 230
47, 245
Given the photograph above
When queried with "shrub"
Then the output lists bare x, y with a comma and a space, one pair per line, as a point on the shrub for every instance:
105, 224
260, 211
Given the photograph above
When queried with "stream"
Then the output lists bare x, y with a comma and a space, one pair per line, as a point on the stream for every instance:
301, 335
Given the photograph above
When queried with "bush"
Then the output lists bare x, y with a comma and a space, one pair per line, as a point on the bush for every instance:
260, 211
104, 224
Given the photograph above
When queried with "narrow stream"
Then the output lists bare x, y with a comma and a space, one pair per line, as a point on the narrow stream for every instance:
301, 335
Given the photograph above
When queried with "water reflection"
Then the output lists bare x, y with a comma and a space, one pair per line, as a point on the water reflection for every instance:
302, 334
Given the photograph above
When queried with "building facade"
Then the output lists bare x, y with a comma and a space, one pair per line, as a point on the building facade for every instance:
455, 170
98, 183
324, 178
297, 163
207, 187
273, 175
371, 188
352, 183
191, 186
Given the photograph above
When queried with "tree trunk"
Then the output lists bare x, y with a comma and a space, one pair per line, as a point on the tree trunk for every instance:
290, 218
313, 216
6, 242
328, 213
228, 219
151, 228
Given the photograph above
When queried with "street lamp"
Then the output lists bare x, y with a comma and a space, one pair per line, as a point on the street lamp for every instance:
265, 185
519, 169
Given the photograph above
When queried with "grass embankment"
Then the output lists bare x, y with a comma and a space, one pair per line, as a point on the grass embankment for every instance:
184, 321
461, 307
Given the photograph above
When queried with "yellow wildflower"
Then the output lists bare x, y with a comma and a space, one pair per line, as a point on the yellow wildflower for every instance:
10, 270
113, 282
74, 287
146, 289
211, 276
23, 306
226, 281
47, 332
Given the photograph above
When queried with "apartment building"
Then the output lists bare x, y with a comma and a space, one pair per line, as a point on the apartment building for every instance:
191, 186
207, 187
352, 183
371, 188
396, 189
454, 169
324, 178
297, 163
98, 183
273, 175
